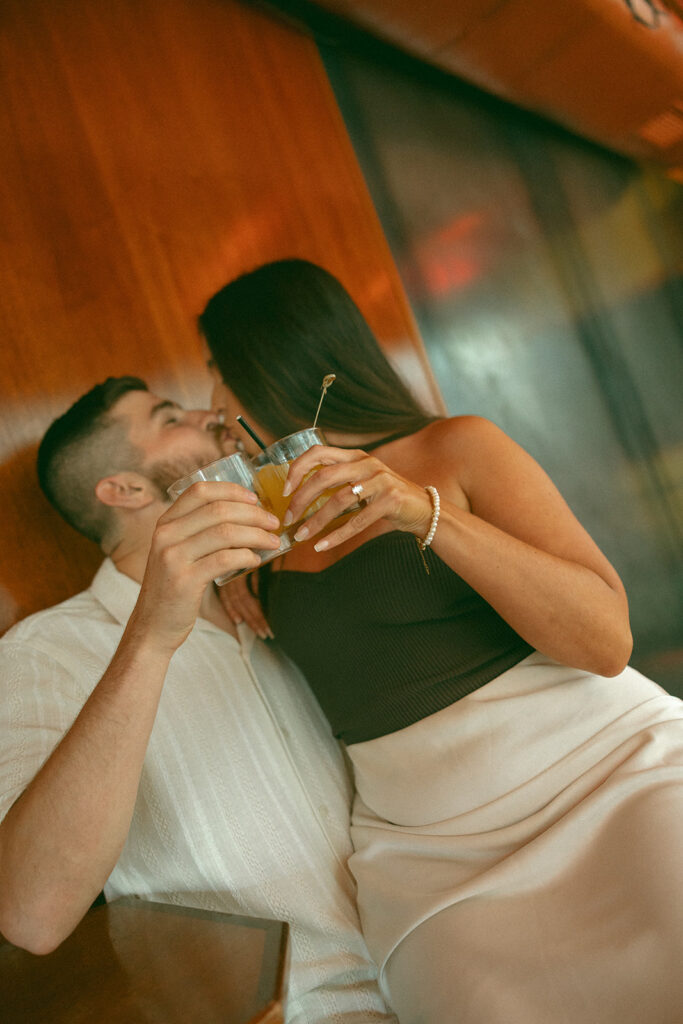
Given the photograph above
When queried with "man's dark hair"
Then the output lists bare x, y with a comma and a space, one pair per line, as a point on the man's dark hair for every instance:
79, 449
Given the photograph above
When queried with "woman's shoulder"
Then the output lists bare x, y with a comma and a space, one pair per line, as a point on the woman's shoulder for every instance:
445, 453
455, 436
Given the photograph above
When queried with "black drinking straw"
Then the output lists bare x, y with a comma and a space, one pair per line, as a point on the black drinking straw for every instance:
243, 423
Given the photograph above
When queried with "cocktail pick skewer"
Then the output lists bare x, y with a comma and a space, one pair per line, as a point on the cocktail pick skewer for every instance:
328, 379
254, 436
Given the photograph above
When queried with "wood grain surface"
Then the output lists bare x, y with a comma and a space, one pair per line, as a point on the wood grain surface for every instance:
151, 150
152, 963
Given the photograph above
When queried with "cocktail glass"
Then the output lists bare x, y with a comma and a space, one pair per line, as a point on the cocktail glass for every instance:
236, 469
271, 467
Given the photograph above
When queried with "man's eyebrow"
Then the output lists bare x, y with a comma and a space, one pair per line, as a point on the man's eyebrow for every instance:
160, 406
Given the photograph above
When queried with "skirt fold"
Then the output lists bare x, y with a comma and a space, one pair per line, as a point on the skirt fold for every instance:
528, 865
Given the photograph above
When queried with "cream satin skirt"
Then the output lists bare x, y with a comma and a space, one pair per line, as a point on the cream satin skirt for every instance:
519, 855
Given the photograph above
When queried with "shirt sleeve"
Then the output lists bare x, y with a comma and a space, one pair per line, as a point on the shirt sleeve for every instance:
39, 700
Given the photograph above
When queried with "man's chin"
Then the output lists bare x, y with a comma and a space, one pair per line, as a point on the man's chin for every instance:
163, 474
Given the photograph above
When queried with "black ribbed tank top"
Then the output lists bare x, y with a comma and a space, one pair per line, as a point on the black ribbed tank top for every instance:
381, 642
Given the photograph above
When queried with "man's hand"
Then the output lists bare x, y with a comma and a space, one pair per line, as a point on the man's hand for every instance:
212, 529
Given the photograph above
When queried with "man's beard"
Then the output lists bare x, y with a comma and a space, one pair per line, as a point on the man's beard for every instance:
163, 474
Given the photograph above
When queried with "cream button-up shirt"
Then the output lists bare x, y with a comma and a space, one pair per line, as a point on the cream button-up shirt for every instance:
243, 803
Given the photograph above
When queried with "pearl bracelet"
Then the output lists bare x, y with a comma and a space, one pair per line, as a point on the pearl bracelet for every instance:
436, 510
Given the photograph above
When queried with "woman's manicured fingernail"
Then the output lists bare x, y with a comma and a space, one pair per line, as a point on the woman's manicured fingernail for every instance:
288, 518
301, 533
287, 489
320, 546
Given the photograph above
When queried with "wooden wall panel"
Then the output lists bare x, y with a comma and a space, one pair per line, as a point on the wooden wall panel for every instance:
150, 150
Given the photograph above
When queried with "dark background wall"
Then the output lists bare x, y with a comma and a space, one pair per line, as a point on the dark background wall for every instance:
545, 275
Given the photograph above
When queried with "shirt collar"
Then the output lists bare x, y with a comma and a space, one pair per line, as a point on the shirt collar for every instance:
118, 594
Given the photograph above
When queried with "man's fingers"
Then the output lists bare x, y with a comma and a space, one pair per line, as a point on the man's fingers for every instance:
211, 514
205, 492
224, 562
224, 537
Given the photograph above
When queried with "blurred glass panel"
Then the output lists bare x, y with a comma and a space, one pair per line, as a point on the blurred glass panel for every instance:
545, 276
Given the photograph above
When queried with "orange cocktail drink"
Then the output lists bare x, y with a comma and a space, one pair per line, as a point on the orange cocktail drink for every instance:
269, 480
271, 468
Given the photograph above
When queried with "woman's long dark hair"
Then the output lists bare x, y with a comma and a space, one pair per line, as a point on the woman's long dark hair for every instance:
275, 332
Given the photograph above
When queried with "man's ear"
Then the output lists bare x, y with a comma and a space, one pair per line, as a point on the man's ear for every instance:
126, 490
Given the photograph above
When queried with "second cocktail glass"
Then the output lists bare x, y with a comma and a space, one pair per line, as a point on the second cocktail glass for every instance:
271, 468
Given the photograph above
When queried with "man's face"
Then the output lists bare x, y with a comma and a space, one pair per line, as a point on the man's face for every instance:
172, 441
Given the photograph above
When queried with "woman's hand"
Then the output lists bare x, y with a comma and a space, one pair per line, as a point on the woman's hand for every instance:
243, 605
382, 493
